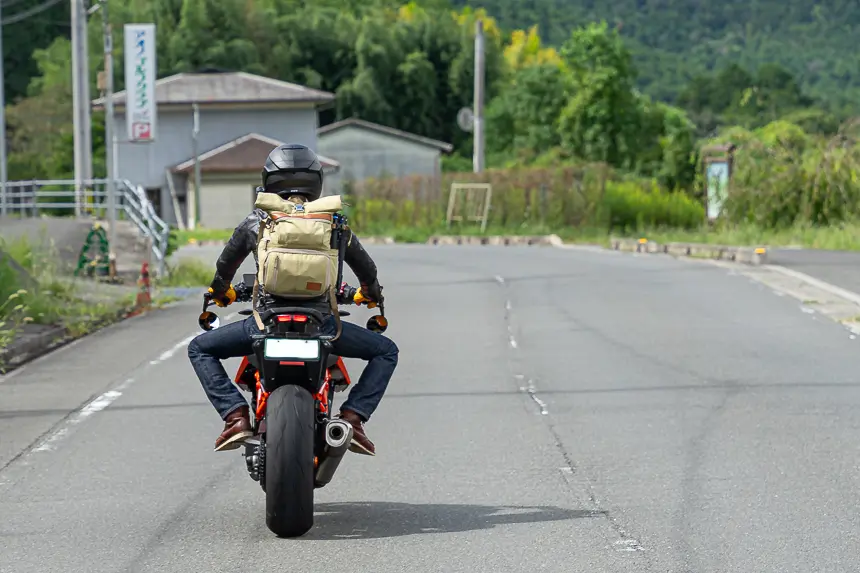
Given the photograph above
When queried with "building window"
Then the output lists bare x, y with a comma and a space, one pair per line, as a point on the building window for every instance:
154, 196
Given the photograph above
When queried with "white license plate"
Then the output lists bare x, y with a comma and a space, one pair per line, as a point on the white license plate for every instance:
284, 348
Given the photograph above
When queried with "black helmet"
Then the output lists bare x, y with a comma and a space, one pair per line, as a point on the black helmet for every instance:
293, 169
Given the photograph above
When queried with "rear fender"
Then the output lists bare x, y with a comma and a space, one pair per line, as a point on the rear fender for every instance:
276, 373
246, 376
341, 368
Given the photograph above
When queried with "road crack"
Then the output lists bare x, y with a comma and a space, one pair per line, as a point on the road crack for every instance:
625, 541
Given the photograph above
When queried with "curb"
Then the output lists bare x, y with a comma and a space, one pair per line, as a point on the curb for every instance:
24, 351
377, 240
364, 241
193, 243
746, 255
506, 240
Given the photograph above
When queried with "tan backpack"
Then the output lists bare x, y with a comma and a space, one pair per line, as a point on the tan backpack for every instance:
296, 259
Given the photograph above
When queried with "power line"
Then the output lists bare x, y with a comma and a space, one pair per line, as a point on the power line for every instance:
31, 12
10, 3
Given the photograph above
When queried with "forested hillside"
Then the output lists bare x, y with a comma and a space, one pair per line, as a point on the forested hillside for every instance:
671, 40
566, 98
675, 40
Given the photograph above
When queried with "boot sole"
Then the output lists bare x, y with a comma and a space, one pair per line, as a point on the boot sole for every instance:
357, 448
234, 442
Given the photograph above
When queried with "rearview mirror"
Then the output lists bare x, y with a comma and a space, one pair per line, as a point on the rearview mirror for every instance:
208, 320
377, 323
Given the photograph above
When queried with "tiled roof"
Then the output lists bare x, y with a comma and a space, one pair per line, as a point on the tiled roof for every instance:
247, 153
226, 87
360, 123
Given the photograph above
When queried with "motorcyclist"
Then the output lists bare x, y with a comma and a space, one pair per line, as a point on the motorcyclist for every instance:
294, 173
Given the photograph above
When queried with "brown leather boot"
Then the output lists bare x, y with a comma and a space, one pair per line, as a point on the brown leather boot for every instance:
237, 429
360, 443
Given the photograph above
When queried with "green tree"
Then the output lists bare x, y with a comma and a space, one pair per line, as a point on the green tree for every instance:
525, 114
599, 121
38, 125
20, 40
735, 96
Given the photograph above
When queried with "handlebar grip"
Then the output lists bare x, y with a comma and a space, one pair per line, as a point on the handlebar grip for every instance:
360, 299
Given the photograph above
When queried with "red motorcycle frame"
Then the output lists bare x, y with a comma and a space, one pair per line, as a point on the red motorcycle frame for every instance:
248, 379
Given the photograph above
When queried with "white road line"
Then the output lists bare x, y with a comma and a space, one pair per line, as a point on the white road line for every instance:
166, 355
832, 289
103, 401
628, 545
96, 405
531, 389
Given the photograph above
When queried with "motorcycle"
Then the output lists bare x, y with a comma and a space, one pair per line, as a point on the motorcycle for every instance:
292, 377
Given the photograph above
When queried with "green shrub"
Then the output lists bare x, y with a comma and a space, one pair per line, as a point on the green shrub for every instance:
560, 196
631, 205
188, 273
558, 199
784, 177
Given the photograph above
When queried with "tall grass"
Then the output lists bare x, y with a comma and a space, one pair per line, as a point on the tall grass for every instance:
41, 295
784, 178
188, 272
565, 200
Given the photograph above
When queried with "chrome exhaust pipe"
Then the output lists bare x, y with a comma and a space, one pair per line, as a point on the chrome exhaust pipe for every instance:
338, 435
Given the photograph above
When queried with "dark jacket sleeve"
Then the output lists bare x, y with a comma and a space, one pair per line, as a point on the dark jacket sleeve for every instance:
241, 244
359, 261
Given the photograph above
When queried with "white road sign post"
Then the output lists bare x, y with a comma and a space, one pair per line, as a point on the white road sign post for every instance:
140, 76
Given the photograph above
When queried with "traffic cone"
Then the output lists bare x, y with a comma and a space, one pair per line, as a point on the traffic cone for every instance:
144, 298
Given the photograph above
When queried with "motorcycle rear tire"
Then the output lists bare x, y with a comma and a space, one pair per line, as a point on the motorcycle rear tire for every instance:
290, 461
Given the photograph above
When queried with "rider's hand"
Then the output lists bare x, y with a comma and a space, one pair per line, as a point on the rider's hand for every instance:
373, 291
225, 298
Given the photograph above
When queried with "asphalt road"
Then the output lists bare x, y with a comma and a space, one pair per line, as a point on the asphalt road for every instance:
553, 410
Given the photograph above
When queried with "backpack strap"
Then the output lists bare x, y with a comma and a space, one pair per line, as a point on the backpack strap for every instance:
336, 312
255, 292
343, 242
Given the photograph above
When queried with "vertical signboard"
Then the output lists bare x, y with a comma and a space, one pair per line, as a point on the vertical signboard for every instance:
718, 176
718, 185
140, 78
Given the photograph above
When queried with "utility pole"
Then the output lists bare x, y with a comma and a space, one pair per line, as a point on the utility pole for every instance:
194, 198
3, 175
77, 121
109, 125
80, 99
478, 141
86, 100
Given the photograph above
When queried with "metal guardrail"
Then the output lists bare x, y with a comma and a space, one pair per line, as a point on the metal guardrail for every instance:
60, 197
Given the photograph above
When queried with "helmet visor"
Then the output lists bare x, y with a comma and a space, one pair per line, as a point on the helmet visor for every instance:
300, 181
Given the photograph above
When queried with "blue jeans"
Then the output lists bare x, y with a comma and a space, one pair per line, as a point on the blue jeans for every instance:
234, 340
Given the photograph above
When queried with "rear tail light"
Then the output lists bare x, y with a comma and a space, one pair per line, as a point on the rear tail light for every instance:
292, 318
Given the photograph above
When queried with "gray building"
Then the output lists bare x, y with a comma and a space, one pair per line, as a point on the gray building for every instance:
232, 106
229, 176
366, 149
